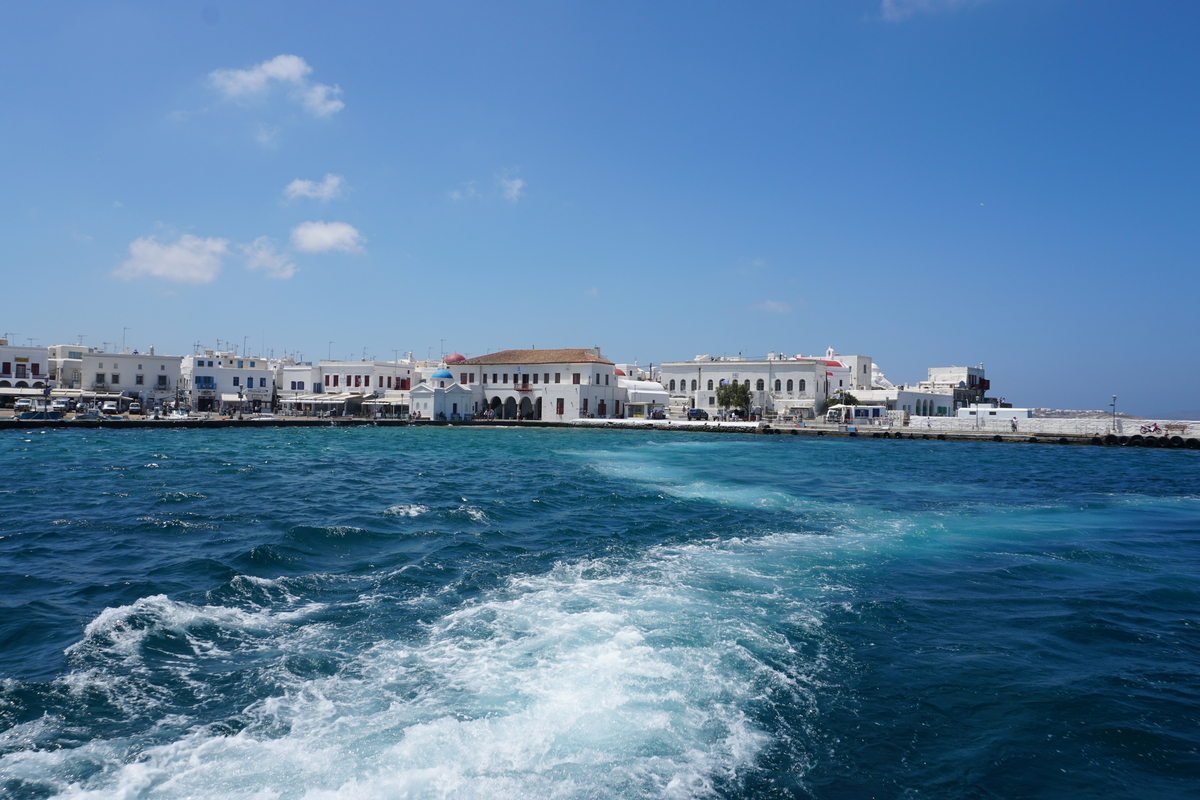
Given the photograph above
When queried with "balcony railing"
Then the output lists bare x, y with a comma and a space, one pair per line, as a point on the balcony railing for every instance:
524, 388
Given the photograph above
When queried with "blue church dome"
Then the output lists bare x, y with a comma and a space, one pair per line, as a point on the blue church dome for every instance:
442, 373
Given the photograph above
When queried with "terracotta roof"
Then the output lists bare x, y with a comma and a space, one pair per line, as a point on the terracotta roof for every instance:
569, 355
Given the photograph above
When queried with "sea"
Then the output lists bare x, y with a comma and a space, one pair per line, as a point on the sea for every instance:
464, 612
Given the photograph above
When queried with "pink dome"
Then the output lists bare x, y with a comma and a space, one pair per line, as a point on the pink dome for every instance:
618, 372
454, 358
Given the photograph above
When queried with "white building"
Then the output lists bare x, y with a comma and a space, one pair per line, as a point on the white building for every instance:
559, 384
219, 380
23, 372
966, 385
89, 375
779, 384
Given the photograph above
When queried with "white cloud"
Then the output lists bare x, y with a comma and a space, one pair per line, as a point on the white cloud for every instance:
593, 292
318, 99
466, 193
319, 237
261, 254
239, 82
773, 307
897, 10
266, 135
513, 188
328, 189
322, 100
189, 260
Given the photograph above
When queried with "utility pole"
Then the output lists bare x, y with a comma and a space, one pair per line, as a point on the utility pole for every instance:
1114, 416
329, 352
123, 331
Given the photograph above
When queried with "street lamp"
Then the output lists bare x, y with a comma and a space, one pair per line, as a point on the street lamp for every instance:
1114, 413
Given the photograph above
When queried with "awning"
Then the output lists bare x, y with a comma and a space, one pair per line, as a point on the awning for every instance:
801, 402
230, 397
22, 392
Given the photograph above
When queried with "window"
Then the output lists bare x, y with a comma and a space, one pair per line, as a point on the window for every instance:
712, 401
101, 378
494, 378
559, 406
162, 367
235, 380
606, 380
462, 378
747, 383
300, 385
535, 377
710, 384
335, 379
575, 378
116, 379
139, 367
778, 385
585, 405
74, 354
506, 377
239, 367
556, 377
162, 382
7, 367
671, 387
293, 386
357, 380
139, 379
693, 386
262, 383
546, 377
326, 380
802, 385
525, 379
251, 365
759, 385
471, 376
597, 378
789, 384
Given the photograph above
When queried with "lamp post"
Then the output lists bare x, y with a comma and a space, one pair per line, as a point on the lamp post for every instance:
1114, 413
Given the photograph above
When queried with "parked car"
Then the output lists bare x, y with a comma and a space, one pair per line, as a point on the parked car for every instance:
697, 413
135, 408
109, 407
22, 405
60, 404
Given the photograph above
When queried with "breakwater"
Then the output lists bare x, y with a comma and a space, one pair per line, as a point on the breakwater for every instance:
1182, 435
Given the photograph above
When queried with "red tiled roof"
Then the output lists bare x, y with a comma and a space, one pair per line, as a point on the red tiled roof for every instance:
569, 355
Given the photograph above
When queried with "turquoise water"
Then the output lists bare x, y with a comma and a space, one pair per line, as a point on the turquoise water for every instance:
470, 613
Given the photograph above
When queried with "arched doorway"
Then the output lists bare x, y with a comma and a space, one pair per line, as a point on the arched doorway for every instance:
510, 409
601, 409
537, 409
526, 408
497, 408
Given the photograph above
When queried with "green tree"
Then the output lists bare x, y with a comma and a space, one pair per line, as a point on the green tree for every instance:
844, 398
734, 395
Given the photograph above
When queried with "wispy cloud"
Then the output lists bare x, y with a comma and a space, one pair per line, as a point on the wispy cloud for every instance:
189, 260
328, 189
512, 188
467, 192
318, 99
320, 237
262, 255
266, 135
773, 307
898, 10
593, 292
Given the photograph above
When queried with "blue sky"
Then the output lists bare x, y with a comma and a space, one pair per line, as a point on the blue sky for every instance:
929, 182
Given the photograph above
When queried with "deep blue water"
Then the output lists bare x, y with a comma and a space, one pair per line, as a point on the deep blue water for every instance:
466, 613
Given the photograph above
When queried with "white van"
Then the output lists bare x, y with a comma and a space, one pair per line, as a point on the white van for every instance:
109, 407
22, 405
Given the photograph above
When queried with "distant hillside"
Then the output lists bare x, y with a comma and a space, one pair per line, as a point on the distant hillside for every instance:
1058, 412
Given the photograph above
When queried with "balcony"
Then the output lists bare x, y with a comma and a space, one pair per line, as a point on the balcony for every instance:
523, 388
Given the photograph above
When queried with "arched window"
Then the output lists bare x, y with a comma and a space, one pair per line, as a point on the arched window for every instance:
693, 385
671, 386
759, 386
778, 385
789, 384
802, 385
710, 384
748, 383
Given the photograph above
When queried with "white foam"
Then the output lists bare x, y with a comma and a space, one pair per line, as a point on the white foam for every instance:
411, 510
598, 679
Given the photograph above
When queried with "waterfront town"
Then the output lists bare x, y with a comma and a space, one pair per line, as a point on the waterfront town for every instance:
579, 386
535, 384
